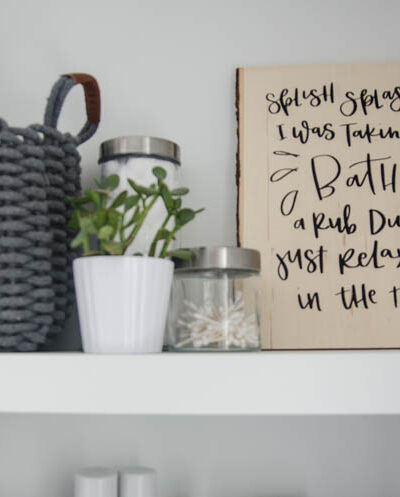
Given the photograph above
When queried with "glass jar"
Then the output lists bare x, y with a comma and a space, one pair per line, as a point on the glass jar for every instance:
214, 303
134, 157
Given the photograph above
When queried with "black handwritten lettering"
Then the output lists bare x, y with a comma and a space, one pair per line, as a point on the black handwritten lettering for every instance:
311, 301
392, 182
350, 259
363, 298
368, 133
280, 131
374, 99
305, 131
394, 291
281, 174
283, 152
288, 202
342, 224
332, 174
299, 224
369, 177
325, 161
286, 98
311, 260
379, 221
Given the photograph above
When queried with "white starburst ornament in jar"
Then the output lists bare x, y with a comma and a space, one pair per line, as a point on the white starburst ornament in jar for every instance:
215, 301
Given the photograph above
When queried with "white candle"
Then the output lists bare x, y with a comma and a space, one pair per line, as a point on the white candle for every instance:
96, 482
138, 482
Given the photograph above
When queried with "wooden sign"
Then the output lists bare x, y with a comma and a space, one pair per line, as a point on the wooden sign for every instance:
319, 196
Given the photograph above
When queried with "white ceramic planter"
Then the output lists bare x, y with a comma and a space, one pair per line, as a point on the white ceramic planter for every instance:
122, 303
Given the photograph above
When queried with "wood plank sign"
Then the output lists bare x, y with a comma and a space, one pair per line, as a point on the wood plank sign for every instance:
319, 196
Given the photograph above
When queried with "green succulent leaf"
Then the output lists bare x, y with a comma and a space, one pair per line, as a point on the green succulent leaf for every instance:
131, 183
114, 218
160, 173
113, 248
92, 196
119, 200
137, 214
87, 225
105, 232
131, 202
102, 192
100, 219
177, 203
179, 192
163, 234
184, 216
74, 221
112, 182
180, 254
77, 202
141, 190
134, 218
166, 196
78, 240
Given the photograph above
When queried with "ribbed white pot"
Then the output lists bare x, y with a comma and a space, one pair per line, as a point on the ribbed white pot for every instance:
122, 303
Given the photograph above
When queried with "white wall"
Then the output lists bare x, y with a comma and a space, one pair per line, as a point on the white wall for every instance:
206, 456
167, 68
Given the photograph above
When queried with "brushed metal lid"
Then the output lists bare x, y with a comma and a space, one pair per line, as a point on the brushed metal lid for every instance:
220, 258
140, 146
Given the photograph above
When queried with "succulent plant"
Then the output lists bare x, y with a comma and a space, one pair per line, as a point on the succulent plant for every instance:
107, 226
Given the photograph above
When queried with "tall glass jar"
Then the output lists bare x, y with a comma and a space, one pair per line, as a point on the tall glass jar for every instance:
214, 304
134, 157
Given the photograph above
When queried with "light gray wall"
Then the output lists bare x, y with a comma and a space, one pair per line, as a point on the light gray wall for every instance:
206, 456
166, 68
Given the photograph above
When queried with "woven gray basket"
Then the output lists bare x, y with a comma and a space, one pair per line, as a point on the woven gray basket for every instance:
39, 168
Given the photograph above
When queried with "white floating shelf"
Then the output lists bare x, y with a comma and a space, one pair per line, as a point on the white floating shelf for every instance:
264, 383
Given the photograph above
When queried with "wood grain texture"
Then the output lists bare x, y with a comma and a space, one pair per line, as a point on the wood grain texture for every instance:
318, 195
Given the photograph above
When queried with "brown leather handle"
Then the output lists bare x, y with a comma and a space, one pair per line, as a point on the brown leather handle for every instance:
57, 97
92, 95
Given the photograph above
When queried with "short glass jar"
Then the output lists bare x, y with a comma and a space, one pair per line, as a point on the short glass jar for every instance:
134, 157
214, 303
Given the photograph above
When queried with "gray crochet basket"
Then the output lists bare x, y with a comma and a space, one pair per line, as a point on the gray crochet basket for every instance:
39, 168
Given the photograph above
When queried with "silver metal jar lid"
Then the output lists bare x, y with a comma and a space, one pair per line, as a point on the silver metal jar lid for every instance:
140, 146
220, 258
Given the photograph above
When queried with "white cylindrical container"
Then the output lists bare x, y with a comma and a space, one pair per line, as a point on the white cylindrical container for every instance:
138, 482
96, 482
122, 303
134, 157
